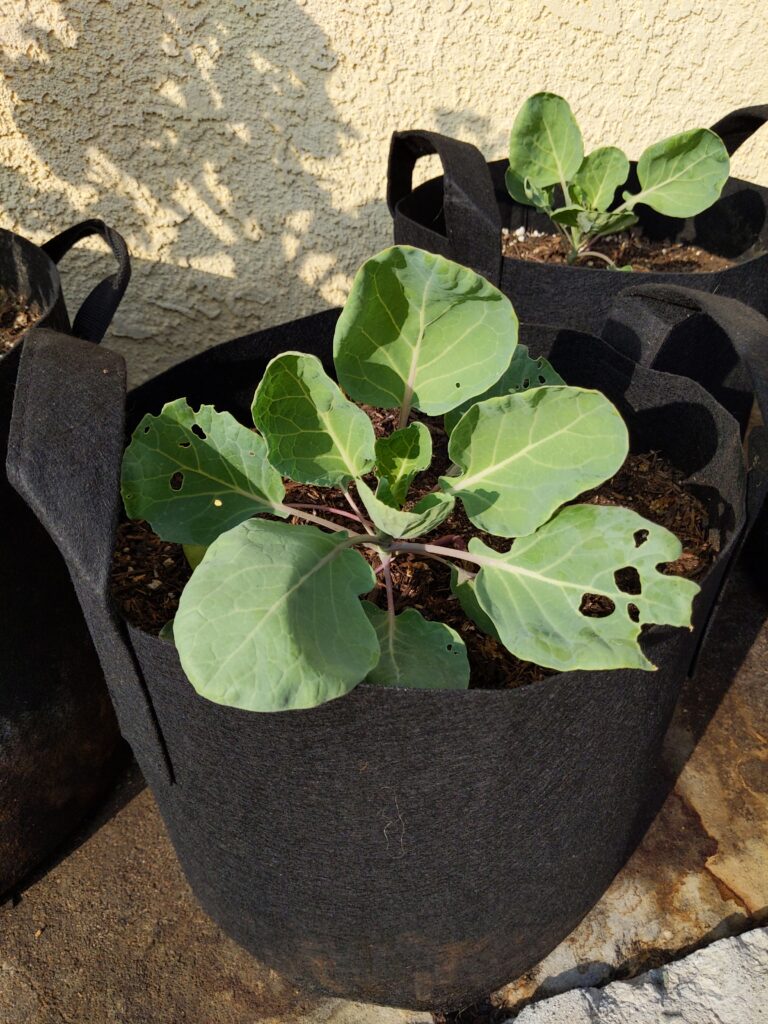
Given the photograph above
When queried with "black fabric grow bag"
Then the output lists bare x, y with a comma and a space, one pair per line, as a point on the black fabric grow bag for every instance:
408, 847
59, 741
460, 215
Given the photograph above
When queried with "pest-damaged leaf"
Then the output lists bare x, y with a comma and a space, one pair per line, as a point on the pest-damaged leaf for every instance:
313, 433
399, 457
601, 173
682, 175
534, 593
523, 373
416, 652
271, 619
427, 513
194, 475
406, 329
522, 456
545, 144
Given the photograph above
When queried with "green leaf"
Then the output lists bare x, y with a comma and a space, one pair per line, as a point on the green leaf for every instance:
313, 433
568, 215
427, 513
602, 171
682, 175
463, 588
533, 593
416, 652
523, 373
611, 223
516, 187
420, 331
193, 475
194, 554
271, 620
545, 144
166, 633
400, 456
524, 455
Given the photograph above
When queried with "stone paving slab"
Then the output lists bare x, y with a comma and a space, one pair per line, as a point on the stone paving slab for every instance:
727, 983
112, 934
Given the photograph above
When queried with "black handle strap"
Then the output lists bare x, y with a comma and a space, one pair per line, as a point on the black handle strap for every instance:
735, 128
64, 456
96, 313
472, 218
662, 326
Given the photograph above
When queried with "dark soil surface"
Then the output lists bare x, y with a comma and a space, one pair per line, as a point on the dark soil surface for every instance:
14, 320
626, 249
148, 574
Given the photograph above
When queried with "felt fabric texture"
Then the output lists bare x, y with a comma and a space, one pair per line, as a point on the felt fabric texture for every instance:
469, 231
408, 847
59, 742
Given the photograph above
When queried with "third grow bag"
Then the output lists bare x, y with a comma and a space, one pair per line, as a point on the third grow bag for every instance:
408, 847
460, 215
59, 743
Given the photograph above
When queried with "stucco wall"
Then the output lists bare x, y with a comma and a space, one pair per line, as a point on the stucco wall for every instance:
241, 146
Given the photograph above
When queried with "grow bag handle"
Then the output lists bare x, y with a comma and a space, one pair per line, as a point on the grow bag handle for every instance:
472, 218
735, 128
64, 455
96, 313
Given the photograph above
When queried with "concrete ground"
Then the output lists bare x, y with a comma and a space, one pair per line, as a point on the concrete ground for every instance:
111, 934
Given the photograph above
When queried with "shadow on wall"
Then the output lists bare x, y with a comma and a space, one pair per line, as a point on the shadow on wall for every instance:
200, 132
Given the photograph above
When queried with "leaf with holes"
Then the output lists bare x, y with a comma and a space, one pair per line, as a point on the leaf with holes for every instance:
523, 373
682, 175
545, 144
271, 619
534, 593
522, 456
399, 457
411, 319
416, 652
426, 514
314, 434
193, 475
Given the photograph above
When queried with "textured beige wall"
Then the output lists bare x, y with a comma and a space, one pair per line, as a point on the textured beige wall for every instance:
241, 146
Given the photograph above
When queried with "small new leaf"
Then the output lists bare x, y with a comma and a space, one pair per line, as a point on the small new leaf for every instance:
194, 475
271, 619
313, 433
534, 593
522, 456
403, 335
602, 172
399, 457
427, 513
545, 144
416, 652
524, 372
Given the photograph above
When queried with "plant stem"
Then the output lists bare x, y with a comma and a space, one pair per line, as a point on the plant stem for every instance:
317, 520
598, 255
327, 508
386, 562
351, 502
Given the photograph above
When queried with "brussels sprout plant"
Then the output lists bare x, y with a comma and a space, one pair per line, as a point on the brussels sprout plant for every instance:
680, 176
272, 616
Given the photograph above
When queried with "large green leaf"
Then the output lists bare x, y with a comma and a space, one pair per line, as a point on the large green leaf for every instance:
545, 144
427, 513
271, 619
534, 592
416, 652
682, 175
399, 457
601, 173
420, 331
523, 373
193, 475
313, 433
522, 456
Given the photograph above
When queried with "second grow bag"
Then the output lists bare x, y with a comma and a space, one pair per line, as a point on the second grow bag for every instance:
59, 742
460, 215
408, 847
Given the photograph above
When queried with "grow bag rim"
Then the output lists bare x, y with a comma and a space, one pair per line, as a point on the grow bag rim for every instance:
737, 262
39, 252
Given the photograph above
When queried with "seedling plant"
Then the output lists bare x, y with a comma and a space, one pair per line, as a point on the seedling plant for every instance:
272, 617
680, 176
